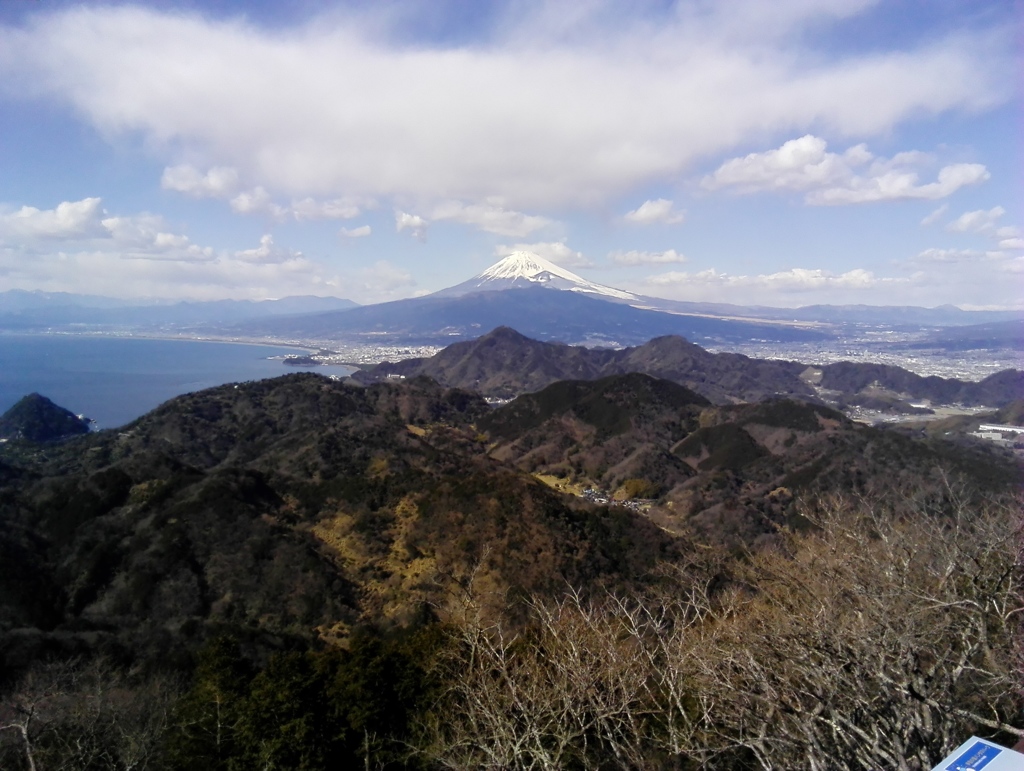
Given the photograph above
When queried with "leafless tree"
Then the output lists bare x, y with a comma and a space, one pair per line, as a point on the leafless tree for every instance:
568, 690
879, 638
73, 714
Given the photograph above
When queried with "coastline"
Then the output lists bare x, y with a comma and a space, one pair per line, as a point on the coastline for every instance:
115, 378
148, 336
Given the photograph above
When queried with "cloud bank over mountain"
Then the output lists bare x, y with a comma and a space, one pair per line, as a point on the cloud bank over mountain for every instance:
790, 139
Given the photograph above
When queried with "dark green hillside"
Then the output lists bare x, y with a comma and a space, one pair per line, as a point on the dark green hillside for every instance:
996, 390
285, 511
1012, 414
611, 405
504, 363
721, 377
722, 447
716, 469
601, 432
785, 413
38, 419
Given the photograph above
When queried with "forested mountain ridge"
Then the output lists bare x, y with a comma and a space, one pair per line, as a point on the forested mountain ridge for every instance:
338, 572
38, 419
996, 390
284, 507
242, 506
723, 473
504, 363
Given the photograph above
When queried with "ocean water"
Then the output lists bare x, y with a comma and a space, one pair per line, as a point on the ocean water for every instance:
114, 380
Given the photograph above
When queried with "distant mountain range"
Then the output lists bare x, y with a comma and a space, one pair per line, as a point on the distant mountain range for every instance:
33, 311
525, 269
523, 290
505, 363
517, 291
548, 302
539, 312
996, 334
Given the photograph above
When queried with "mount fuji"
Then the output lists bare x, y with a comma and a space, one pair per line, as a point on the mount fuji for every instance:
532, 295
525, 269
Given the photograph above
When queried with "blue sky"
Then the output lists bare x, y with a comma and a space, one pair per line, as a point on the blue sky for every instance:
778, 153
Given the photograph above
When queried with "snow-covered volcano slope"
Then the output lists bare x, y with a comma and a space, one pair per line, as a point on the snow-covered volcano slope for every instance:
521, 269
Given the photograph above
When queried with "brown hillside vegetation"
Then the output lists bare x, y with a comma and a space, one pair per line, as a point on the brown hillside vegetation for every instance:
847, 647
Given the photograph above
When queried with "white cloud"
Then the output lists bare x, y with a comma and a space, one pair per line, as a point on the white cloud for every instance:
855, 176
979, 221
70, 219
557, 252
1005, 240
936, 215
360, 232
144, 237
1016, 265
84, 225
218, 182
415, 224
949, 255
787, 281
799, 165
929, 285
335, 209
755, 20
490, 217
78, 247
656, 211
266, 253
902, 185
257, 201
646, 258
561, 106
383, 280
223, 182
111, 273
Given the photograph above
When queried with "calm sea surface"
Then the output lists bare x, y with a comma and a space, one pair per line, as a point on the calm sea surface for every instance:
115, 380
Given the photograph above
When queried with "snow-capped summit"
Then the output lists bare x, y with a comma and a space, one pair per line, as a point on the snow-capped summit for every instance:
521, 269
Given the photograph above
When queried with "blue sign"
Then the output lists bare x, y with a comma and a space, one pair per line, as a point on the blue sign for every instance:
978, 755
